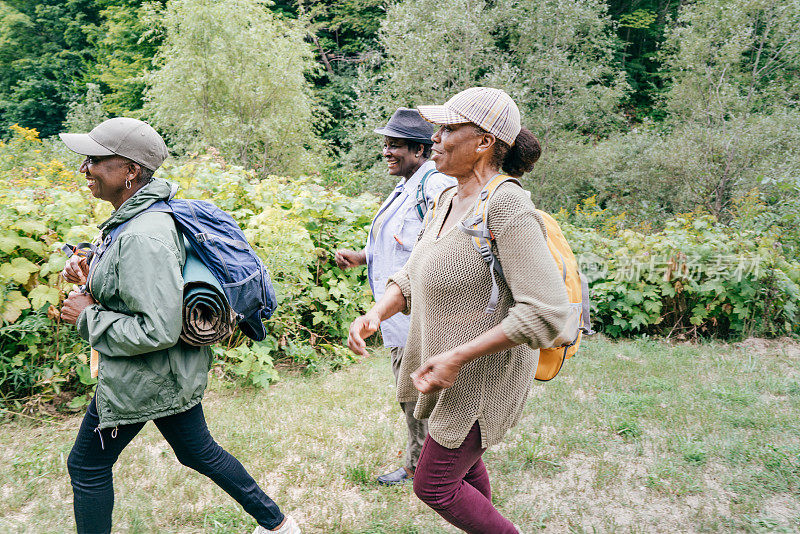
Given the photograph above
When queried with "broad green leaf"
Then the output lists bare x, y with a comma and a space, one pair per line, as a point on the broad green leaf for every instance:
319, 293
652, 306
42, 294
85, 374
55, 264
13, 305
79, 402
19, 270
37, 247
31, 226
9, 243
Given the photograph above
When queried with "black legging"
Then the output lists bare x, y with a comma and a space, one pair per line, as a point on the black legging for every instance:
95, 452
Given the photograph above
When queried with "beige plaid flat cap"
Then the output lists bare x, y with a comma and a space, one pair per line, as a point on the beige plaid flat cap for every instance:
491, 109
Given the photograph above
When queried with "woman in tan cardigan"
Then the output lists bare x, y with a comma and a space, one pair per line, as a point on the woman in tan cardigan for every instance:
470, 371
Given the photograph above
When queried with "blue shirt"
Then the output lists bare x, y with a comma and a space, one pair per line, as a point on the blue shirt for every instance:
392, 237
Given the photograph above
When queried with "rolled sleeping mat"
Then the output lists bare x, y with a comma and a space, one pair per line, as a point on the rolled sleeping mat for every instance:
207, 317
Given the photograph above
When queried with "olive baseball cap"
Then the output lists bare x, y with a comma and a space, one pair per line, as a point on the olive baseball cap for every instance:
130, 138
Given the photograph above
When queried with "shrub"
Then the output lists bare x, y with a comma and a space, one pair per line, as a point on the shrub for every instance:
694, 278
295, 225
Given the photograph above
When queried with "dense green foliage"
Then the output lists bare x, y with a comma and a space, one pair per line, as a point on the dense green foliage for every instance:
653, 106
294, 224
671, 126
694, 278
640, 27
555, 58
235, 83
43, 49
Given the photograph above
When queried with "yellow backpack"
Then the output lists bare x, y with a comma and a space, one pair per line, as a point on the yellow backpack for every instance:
550, 359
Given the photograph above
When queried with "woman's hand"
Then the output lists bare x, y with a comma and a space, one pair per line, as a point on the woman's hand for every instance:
360, 329
437, 373
76, 270
74, 305
347, 259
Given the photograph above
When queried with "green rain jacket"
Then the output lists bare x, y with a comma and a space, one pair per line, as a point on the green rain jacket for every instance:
145, 371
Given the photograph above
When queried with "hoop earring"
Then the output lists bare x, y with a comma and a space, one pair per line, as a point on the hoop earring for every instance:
127, 184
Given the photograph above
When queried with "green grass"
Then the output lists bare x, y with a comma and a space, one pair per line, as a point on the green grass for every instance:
633, 436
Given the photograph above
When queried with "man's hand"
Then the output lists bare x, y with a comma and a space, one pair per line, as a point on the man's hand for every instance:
360, 329
437, 373
347, 259
76, 270
74, 305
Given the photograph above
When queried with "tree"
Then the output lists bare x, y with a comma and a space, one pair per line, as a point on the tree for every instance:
430, 50
556, 58
43, 57
343, 35
125, 43
86, 113
232, 75
640, 26
730, 63
562, 67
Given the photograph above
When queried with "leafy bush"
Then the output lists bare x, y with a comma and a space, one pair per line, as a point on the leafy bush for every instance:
694, 278
295, 225
39, 206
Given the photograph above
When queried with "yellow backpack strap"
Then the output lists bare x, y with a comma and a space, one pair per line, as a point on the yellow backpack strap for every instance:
482, 238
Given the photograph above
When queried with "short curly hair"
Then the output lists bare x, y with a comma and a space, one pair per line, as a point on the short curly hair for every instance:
416, 145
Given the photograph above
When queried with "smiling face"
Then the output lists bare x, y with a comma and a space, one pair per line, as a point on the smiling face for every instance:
400, 159
106, 176
455, 149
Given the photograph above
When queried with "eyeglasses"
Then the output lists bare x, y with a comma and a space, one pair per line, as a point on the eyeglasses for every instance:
94, 160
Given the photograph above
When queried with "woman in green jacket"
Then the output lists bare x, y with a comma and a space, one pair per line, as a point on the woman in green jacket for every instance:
130, 313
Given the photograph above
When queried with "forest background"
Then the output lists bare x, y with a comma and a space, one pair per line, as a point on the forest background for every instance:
670, 135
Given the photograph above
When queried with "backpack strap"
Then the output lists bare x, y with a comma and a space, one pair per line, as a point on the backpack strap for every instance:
421, 204
482, 238
111, 236
586, 322
430, 215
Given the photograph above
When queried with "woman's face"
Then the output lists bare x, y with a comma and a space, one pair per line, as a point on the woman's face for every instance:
106, 176
454, 149
400, 159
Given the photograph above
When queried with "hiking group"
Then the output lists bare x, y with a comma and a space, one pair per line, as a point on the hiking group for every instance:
460, 263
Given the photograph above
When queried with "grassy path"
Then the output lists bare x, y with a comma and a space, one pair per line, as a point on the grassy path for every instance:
634, 436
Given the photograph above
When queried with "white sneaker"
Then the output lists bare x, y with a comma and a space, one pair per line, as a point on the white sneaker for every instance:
289, 527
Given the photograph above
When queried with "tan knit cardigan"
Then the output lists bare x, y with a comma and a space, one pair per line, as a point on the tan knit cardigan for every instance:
447, 285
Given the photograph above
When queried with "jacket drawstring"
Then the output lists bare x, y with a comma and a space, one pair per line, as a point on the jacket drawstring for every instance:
100, 433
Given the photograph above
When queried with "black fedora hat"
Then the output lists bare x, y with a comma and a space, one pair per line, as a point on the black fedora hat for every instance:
408, 124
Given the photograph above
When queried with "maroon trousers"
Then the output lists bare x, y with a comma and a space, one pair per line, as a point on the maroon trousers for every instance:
454, 482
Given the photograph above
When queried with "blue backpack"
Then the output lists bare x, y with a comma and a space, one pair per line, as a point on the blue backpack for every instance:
223, 248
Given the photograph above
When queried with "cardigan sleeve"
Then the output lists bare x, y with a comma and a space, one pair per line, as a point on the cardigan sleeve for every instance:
540, 309
403, 281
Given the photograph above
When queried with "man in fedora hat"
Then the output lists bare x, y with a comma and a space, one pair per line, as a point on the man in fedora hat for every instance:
392, 235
